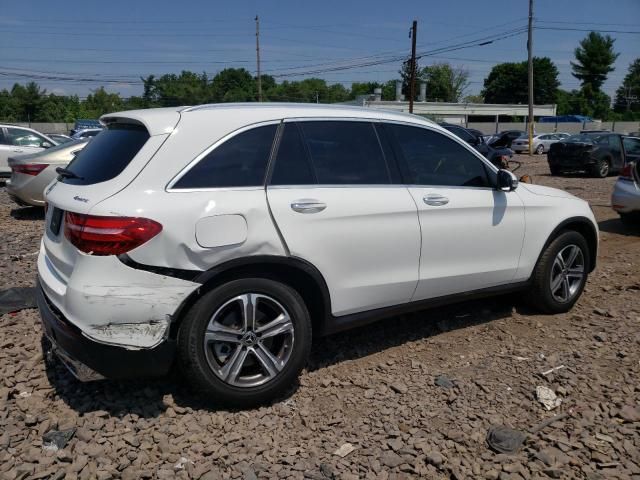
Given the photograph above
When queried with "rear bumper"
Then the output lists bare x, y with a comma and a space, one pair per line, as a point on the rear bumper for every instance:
90, 360
625, 197
24, 197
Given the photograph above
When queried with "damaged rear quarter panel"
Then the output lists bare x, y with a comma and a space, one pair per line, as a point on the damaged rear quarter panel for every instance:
115, 304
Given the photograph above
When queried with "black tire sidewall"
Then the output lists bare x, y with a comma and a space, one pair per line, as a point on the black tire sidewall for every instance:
191, 348
544, 275
540, 149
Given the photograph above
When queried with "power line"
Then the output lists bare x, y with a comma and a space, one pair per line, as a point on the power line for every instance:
566, 29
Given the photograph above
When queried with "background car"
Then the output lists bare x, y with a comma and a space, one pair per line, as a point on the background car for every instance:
85, 124
498, 156
89, 132
59, 137
506, 138
18, 140
625, 198
599, 154
30, 174
541, 143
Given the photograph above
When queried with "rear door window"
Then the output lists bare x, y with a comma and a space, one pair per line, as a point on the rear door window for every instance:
107, 155
345, 153
24, 138
292, 162
241, 161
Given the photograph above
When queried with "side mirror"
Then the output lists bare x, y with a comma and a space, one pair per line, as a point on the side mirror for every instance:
507, 181
46, 145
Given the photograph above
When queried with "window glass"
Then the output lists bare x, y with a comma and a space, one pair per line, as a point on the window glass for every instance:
433, 159
291, 163
241, 161
107, 155
3, 140
632, 146
24, 138
345, 152
463, 134
614, 143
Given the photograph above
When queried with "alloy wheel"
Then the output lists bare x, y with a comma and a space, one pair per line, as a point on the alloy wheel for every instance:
248, 340
567, 273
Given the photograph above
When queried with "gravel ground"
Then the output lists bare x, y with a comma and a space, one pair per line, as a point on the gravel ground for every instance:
409, 397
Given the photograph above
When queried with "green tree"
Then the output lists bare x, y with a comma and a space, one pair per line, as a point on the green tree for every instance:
100, 102
445, 83
594, 60
233, 85
627, 98
508, 82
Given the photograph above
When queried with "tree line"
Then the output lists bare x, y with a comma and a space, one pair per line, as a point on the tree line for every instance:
505, 83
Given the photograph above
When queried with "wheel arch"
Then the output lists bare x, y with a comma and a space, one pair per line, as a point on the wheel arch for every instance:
295, 272
585, 227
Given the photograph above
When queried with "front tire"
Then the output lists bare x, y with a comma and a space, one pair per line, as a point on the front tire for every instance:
245, 342
601, 168
560, 274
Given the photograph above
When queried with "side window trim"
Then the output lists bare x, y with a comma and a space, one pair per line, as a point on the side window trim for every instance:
489, 169
178, 176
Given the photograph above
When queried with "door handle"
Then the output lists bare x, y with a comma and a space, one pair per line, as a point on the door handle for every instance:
17, 150
435, 200
308, 206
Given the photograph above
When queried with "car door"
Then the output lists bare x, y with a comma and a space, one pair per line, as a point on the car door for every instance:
5, 149
631, 149
25, 142
615, 147
472, 233
332, 196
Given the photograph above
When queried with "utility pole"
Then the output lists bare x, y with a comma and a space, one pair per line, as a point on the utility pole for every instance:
412, 81
258, 58
530, 71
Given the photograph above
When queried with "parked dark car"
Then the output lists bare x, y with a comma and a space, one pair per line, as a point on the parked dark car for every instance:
506, 138
598, 154
498, 156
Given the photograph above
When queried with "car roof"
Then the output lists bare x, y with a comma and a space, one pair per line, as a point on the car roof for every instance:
163, 120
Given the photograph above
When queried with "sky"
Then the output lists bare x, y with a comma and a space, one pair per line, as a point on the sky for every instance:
73, 47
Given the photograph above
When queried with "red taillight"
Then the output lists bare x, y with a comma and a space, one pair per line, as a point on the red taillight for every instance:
108, 235
627, 172
29, 168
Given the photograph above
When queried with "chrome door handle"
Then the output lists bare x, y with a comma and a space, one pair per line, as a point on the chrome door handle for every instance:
435, 200
17, 150
308, 206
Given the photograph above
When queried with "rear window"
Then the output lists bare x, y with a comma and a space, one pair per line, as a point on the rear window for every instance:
107, 155
241, 161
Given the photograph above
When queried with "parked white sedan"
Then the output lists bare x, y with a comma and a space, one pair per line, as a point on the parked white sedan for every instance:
20, 141
541, 143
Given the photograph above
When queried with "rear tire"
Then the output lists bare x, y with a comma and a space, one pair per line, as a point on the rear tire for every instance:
560, 275
602, 168
540, 149
244, 343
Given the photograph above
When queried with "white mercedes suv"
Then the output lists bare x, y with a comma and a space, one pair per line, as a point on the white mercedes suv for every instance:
225, 236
